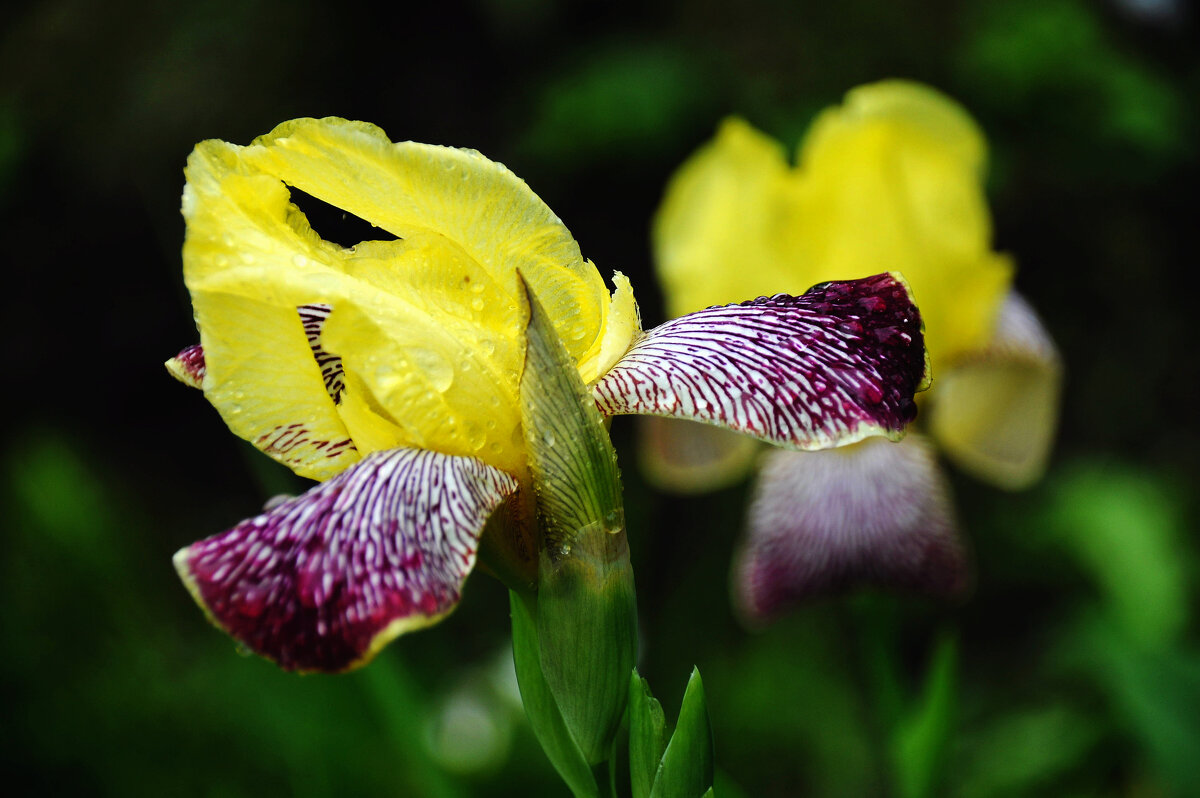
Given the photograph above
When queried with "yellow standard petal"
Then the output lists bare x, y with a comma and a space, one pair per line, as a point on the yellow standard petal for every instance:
427, 330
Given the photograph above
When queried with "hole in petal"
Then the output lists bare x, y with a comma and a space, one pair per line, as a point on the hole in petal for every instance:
336, 225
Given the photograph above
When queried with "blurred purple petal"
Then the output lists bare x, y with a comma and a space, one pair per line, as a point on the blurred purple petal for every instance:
322, 581
874, 514
833, 366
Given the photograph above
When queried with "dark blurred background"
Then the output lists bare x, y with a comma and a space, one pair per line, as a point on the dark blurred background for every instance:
1073, 669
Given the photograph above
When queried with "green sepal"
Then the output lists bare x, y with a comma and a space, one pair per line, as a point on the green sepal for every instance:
587, 627
540, 706
572, 460
647, 736
687, 764
586, 606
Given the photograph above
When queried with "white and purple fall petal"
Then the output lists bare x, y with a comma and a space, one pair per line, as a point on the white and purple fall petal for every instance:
830, 367
877, 513
322, 581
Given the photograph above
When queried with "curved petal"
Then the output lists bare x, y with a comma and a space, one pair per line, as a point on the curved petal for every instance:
322, 581
995, 411
874, 514
828, 368
687, 457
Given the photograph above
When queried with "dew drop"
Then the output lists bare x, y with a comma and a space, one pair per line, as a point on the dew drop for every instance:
435, 368
870, 393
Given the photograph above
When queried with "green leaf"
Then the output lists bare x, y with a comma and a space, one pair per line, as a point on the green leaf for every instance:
687, 764
544, 717
1125, 528
919, 741
586, 607
647, 736
1023, 750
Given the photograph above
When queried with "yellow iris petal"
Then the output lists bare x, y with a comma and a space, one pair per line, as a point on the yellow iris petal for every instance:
429, 329
717, 233
408, 188
624, 325
890, 180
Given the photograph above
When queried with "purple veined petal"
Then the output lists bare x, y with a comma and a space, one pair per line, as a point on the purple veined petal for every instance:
188, 366
830, 367
875, 514
995, 411
322, 581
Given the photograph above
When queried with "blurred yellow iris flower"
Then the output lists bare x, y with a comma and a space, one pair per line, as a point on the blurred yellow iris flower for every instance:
891, 179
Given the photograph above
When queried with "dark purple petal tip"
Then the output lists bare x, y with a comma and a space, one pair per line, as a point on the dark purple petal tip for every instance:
877, 514
322, 581
188, 366
831, 367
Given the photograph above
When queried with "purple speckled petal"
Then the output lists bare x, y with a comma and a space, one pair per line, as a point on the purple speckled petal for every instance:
874, 514
321, 582
827, 368
188, 366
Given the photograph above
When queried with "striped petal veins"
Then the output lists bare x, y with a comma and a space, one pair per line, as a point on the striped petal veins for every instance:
830, 367
322, 581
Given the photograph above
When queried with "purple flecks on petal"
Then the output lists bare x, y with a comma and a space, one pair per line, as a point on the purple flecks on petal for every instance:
313, 318
188, 366
874, 514
383, 547
830, 367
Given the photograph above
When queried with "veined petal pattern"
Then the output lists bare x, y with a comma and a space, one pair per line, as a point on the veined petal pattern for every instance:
830, 367
322, 581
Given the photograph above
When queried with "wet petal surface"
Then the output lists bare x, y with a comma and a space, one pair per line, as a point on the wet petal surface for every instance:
831, 367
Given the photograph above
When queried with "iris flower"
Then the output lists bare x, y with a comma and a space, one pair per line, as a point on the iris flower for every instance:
390, 372
891, 179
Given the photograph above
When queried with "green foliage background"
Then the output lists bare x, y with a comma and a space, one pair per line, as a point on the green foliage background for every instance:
1073, 669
